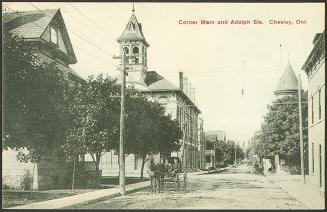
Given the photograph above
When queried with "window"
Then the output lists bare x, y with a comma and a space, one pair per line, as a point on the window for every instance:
132, 26
313, 157
319, 99
136, 60
54, 35
163, 100
312, 112
135, 50
126, 50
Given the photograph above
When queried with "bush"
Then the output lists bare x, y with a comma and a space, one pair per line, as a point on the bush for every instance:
27, 179
6, 186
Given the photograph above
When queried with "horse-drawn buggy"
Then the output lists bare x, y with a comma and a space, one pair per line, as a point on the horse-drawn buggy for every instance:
166, 175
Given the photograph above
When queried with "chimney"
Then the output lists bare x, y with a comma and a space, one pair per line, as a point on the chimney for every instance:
181, 80
193, 96
185, 87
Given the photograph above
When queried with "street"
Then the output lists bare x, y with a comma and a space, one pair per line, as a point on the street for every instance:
235, 188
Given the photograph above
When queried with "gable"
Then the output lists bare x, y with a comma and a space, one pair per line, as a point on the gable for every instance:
28, 24
35, 26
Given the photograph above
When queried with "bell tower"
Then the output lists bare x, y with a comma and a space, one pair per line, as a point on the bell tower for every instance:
134, 46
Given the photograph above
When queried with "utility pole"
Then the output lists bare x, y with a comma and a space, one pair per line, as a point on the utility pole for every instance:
214, 152
184, 158
300, 128
122, 127
235, 154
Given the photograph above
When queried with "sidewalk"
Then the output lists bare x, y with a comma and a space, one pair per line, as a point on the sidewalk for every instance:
305, 193
83, 198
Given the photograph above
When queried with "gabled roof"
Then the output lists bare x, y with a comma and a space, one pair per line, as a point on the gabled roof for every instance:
318, 41
288, 83
28, 24
133, 31
157, 83
31, 25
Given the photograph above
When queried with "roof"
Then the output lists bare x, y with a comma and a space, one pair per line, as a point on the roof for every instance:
213, 134
155, 82
133, 32
288, 83
32, 24
29, 24
318, 41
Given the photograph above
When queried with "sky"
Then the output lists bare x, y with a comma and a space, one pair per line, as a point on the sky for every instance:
211, 56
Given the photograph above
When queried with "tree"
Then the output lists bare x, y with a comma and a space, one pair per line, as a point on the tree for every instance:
94, 114
280, 130
148, 129
230, 152
34, 101
220, 153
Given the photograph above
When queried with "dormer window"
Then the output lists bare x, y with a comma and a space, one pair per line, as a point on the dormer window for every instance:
54, 35
132, 26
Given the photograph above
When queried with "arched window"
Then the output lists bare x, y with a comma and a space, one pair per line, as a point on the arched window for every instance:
126, 50
135, 50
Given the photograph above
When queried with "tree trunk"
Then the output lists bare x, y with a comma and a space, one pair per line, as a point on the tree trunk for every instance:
32, 184
98, 176
73, 181
96, 161
142, 167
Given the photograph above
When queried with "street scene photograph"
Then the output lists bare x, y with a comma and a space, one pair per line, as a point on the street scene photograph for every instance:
144, 105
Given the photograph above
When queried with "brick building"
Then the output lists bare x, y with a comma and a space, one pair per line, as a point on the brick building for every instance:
314, 67
179, 101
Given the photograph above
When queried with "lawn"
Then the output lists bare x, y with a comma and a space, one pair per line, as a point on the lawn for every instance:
15, 198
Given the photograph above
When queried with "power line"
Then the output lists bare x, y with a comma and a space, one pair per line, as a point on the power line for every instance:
75, 18
74, 32
90, 20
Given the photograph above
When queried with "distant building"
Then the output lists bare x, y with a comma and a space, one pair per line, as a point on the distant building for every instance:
314, 67
46, 32
178, 101
211, 137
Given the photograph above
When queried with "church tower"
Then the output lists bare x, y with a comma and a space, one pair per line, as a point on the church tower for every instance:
133, 44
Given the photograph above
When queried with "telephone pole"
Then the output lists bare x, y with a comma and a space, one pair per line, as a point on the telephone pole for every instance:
235, 154
300, 128
184, 157
122, 126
